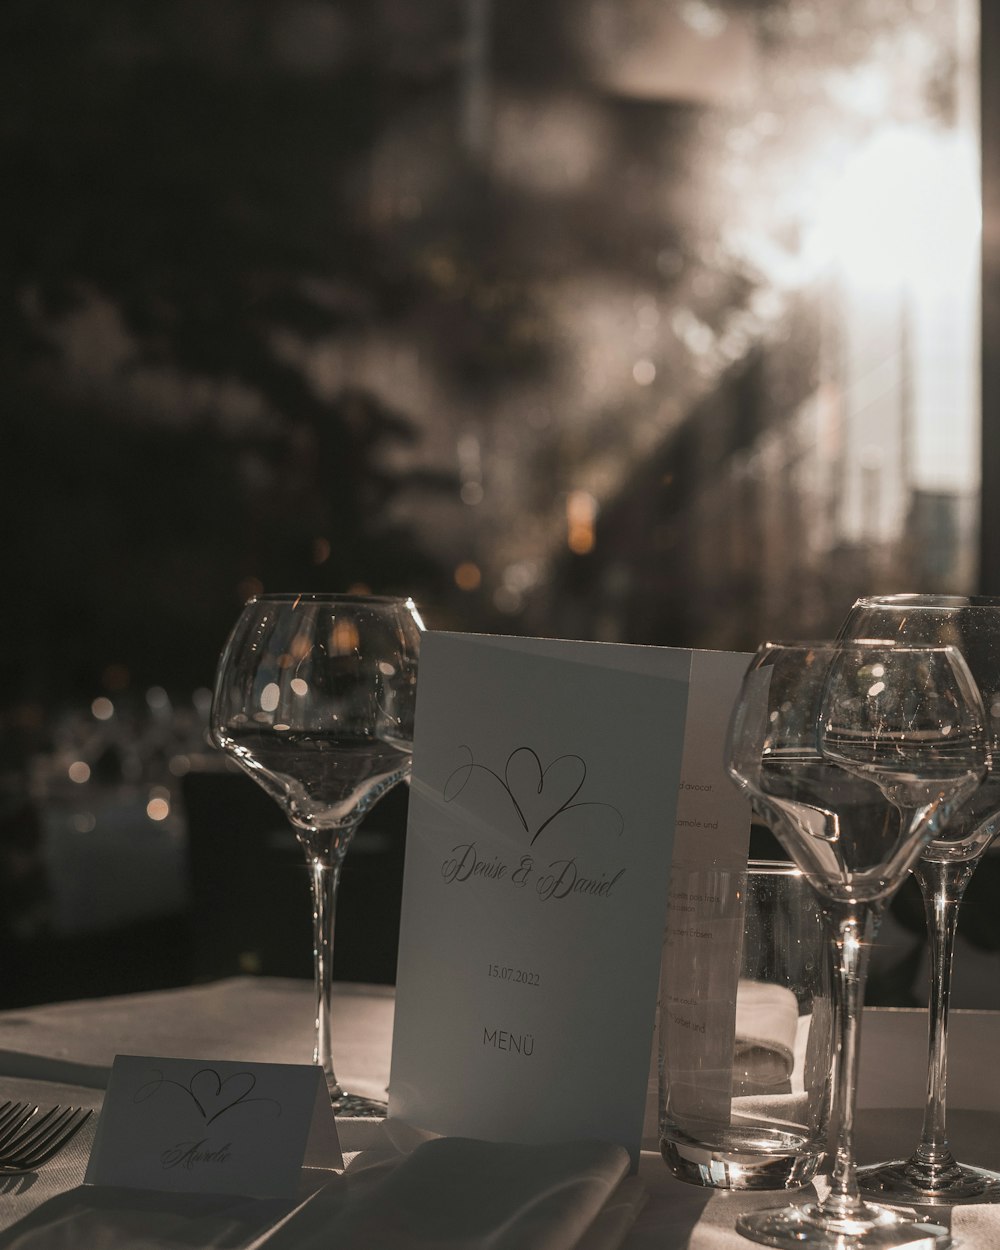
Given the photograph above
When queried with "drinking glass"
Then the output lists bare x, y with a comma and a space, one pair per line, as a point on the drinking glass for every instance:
745, 1027
932, 1174
856, 754
314, 698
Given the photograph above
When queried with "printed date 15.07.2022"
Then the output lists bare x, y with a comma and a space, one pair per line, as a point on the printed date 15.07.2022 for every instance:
517, 976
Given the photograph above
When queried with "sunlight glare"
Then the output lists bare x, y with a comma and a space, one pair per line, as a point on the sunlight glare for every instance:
905, 206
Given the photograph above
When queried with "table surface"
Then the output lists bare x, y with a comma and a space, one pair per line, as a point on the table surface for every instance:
63, 1053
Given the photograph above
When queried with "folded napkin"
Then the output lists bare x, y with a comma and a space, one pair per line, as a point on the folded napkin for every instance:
975, 1227
767, 1021
453, 1193
440, 1194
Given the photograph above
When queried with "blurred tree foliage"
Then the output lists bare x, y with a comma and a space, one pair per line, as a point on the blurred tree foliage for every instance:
272, 263
193, 177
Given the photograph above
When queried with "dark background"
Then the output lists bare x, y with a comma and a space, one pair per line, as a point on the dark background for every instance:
431, 299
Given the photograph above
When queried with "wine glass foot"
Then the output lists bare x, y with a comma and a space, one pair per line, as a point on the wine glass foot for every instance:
810, 1226
905, 1181
354, 1106
357, 1106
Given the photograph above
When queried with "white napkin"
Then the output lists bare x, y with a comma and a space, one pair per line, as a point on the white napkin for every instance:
767, 1020
445, 1194
453, 1193
975, 1227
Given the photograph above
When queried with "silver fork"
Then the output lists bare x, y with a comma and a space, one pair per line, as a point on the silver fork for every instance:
12, 1116
29, 1137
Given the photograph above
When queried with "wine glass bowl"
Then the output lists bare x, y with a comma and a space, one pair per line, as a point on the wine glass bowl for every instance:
803, 771
855, 753
314, 698
932, 1175
971, 624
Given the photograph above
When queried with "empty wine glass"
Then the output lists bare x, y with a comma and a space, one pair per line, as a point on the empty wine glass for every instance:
856, 754
314, 698
932, 1174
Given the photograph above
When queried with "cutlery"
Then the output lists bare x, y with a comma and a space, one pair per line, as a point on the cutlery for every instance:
29, 1137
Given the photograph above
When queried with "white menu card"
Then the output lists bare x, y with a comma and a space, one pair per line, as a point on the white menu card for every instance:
542, 807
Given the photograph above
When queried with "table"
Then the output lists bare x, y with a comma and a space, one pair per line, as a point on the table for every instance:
63, 1053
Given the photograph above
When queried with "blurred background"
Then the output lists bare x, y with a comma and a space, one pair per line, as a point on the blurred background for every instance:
654, 321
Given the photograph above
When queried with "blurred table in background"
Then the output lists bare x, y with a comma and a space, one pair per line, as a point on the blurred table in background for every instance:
116, 884
134, 856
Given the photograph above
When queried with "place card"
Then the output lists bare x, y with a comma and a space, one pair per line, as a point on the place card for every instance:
197, 1126
545, 786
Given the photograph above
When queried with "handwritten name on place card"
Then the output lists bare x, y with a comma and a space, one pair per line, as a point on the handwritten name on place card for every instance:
201, 1126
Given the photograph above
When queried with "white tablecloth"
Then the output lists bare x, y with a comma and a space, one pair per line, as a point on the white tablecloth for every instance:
63, 1053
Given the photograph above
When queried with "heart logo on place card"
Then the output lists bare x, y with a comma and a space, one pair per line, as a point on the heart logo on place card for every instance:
538, 793
212, 1095
215, 1096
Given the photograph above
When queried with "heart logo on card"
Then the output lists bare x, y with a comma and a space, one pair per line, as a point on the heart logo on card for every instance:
211, 1094
539, 793
215, 1096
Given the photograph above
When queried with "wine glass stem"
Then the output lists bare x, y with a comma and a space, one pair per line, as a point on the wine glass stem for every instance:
325, 878
852, 927
942, 884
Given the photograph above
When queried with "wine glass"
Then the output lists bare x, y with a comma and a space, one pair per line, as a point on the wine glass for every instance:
856, 753
314, 698
932, 1174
